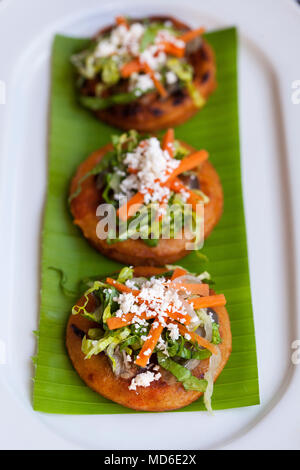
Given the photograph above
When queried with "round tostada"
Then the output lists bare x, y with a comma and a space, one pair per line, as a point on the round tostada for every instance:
149, 338
146, 74
162, 182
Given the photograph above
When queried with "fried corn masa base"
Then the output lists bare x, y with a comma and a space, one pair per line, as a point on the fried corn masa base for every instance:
161, 395
151, 112
136, 252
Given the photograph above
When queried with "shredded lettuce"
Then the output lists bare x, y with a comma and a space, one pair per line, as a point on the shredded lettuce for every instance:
92, 347
86, 64
95, 333
183, 70
110, 353
106, 313
195, 94
102, 165
105, 294
129, 140
134, 341
82, 308
183, 375
110, 72
178, 348
125, 274
179, 150
96, 103
216, 337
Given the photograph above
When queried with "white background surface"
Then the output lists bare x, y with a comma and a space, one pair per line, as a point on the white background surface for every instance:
269, 63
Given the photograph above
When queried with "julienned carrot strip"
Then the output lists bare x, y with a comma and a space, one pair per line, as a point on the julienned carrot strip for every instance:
188, 163
136, 66
186, 319
178, 272
121, 287
210, 301
170, 48
178, 186
149, 345
168, 142
114, 323
161, 90
186, 37
133, 171
196, 338
131, 207
200, 289
131, 67
121, 20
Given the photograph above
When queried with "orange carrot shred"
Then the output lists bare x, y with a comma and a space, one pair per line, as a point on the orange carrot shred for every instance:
190, 35
170, 48
178, 186
149, 345
131, 207
119, 286
114, 323
136, 66
168, 142
210, 301
188, 163
200, 289
161, 90
196, 338
121, 20
178, 272
131, 67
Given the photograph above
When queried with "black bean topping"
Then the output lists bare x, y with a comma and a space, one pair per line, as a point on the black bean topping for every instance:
156, 111
78, 332
214, 315
205, 77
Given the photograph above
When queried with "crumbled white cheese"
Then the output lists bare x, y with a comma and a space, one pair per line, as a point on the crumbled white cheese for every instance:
171, 77
130, 283
126, 302
174, 331
140, 81
187, 336
153, 57
121, 41
162, 346
164, 35
152, 166
154, 300
143, 380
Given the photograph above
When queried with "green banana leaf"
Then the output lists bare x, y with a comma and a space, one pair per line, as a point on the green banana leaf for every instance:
74, 134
